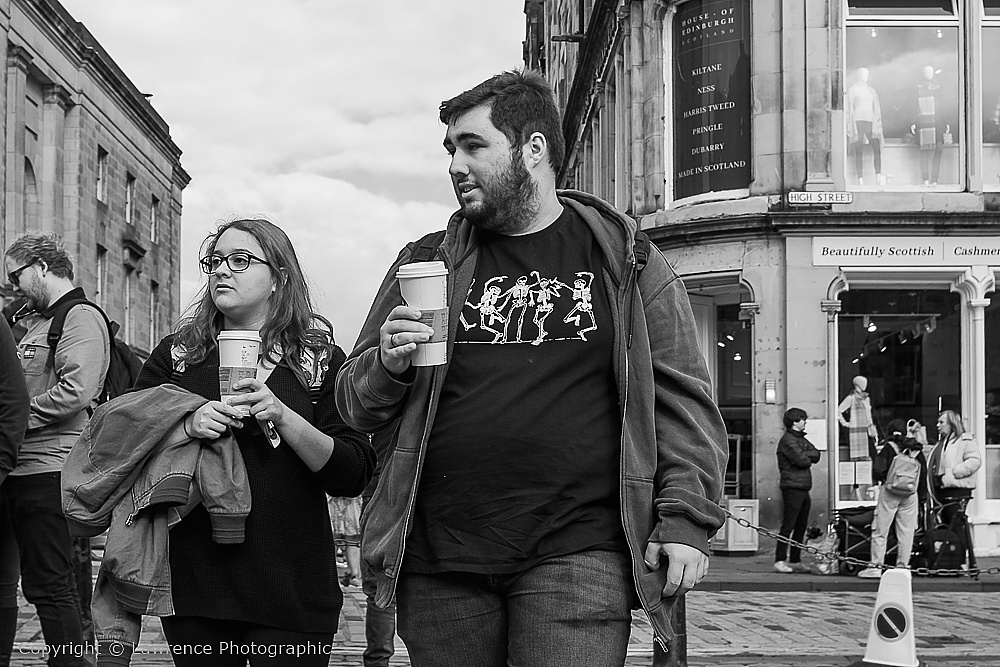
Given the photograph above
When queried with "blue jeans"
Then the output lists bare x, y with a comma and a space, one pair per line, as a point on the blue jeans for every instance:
566, 611
35, 546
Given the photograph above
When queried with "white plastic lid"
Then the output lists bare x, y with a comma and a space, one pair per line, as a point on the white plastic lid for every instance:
421, 270
240, 334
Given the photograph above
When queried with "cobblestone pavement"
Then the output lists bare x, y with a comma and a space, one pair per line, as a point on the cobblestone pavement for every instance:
723, 628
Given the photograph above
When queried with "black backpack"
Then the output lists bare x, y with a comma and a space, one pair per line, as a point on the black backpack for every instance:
124, 365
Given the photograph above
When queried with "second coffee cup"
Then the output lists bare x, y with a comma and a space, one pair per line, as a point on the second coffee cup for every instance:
238, 354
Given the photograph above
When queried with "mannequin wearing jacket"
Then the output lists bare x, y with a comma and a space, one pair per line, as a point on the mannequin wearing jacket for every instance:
864, 125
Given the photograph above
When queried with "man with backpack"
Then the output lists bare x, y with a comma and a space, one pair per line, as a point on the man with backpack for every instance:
899, 469
546, 478
65, 384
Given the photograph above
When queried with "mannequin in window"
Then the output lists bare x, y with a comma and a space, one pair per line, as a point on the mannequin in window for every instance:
861, 431
929, 135
864, 125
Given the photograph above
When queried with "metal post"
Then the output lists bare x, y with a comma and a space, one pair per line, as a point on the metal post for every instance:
676, 654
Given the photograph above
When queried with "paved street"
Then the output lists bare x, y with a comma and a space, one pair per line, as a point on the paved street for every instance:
724, 628
746, 615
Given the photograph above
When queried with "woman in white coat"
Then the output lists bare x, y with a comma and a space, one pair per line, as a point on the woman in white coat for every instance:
953, 464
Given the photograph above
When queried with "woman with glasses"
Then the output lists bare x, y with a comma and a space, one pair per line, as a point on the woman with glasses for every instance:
279, 587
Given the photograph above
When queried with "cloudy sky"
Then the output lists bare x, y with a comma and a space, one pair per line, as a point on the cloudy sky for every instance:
320, 114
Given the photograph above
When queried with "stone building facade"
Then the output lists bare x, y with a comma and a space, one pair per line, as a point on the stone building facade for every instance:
825, 176
87, 156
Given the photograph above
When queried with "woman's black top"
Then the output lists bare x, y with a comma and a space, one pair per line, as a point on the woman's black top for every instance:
284, 574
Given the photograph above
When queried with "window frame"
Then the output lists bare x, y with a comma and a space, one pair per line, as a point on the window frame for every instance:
887, 21
130, 182
102, 175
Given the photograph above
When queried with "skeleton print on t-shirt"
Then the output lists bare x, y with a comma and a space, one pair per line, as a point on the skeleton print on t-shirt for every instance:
530, 308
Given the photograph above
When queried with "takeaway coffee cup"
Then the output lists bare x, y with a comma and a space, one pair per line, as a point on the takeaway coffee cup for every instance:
425, 287
238, 352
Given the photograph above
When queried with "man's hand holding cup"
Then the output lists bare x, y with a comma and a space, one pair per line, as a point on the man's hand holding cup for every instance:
399, 336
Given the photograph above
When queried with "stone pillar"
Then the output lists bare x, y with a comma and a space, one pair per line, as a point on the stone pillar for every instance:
832, 309
973, 286
50, 187
18, 60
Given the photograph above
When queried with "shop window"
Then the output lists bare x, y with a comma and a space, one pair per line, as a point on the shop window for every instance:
907, 346
991, 96
903, 92
992, 375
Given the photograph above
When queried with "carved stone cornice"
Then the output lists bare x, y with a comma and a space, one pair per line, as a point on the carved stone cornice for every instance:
18, 57
56, 94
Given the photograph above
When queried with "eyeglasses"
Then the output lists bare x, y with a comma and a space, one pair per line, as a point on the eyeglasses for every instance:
237, 262
15, 275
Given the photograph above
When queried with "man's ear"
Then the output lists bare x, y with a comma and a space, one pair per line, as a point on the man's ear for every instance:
536, 149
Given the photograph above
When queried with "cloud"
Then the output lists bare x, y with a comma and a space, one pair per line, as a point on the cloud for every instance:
320, 115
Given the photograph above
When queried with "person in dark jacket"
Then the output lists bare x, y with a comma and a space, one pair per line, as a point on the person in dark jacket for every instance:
795, 457
13, 422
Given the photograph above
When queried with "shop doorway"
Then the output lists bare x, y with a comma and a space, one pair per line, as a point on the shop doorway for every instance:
907, 345
726, 340
734, 351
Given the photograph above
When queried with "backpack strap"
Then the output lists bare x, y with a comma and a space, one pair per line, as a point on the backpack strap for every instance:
641, 250
59, 321
427, 246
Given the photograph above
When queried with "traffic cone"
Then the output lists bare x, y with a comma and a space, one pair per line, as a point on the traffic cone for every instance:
891, 640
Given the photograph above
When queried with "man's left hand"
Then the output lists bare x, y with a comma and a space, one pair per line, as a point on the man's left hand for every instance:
686, 566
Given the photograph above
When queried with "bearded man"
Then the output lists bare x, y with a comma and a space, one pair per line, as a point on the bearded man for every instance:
543, 483
64, 384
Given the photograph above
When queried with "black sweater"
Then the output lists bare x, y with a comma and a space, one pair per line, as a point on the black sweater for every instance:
284, 574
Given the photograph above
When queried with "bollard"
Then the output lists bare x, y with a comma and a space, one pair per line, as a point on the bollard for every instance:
676, 653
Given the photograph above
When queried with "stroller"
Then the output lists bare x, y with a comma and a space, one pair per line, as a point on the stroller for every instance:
945, 546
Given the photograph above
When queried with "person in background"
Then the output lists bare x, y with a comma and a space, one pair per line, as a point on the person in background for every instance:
279, 586
523, 509
345, 516
796, 455
64, 385
13, 421
952, 465
380, 622
895, 506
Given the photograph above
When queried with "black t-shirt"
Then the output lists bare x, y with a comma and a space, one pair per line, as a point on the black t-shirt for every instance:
524, 456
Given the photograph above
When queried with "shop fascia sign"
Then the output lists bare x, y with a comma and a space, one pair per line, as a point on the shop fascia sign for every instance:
919, 251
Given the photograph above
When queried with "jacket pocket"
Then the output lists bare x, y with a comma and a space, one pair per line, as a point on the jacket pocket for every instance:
34, 359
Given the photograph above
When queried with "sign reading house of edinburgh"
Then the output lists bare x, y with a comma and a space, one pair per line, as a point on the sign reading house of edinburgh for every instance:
711, 97
921, 251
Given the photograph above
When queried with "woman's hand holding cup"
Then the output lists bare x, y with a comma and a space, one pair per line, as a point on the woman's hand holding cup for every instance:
211, 420
260, 400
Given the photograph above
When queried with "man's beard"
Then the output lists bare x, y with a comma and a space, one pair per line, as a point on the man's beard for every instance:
509, 202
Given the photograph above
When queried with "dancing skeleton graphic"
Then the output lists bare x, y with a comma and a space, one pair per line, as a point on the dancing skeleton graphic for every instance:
489, 312
542, 300
581, 292
518, 295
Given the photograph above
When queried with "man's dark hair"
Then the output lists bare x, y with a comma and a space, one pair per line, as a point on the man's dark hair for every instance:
45, 247
793, 415
521, 103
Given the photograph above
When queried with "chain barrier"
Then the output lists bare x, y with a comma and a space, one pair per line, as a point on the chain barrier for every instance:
973, 572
